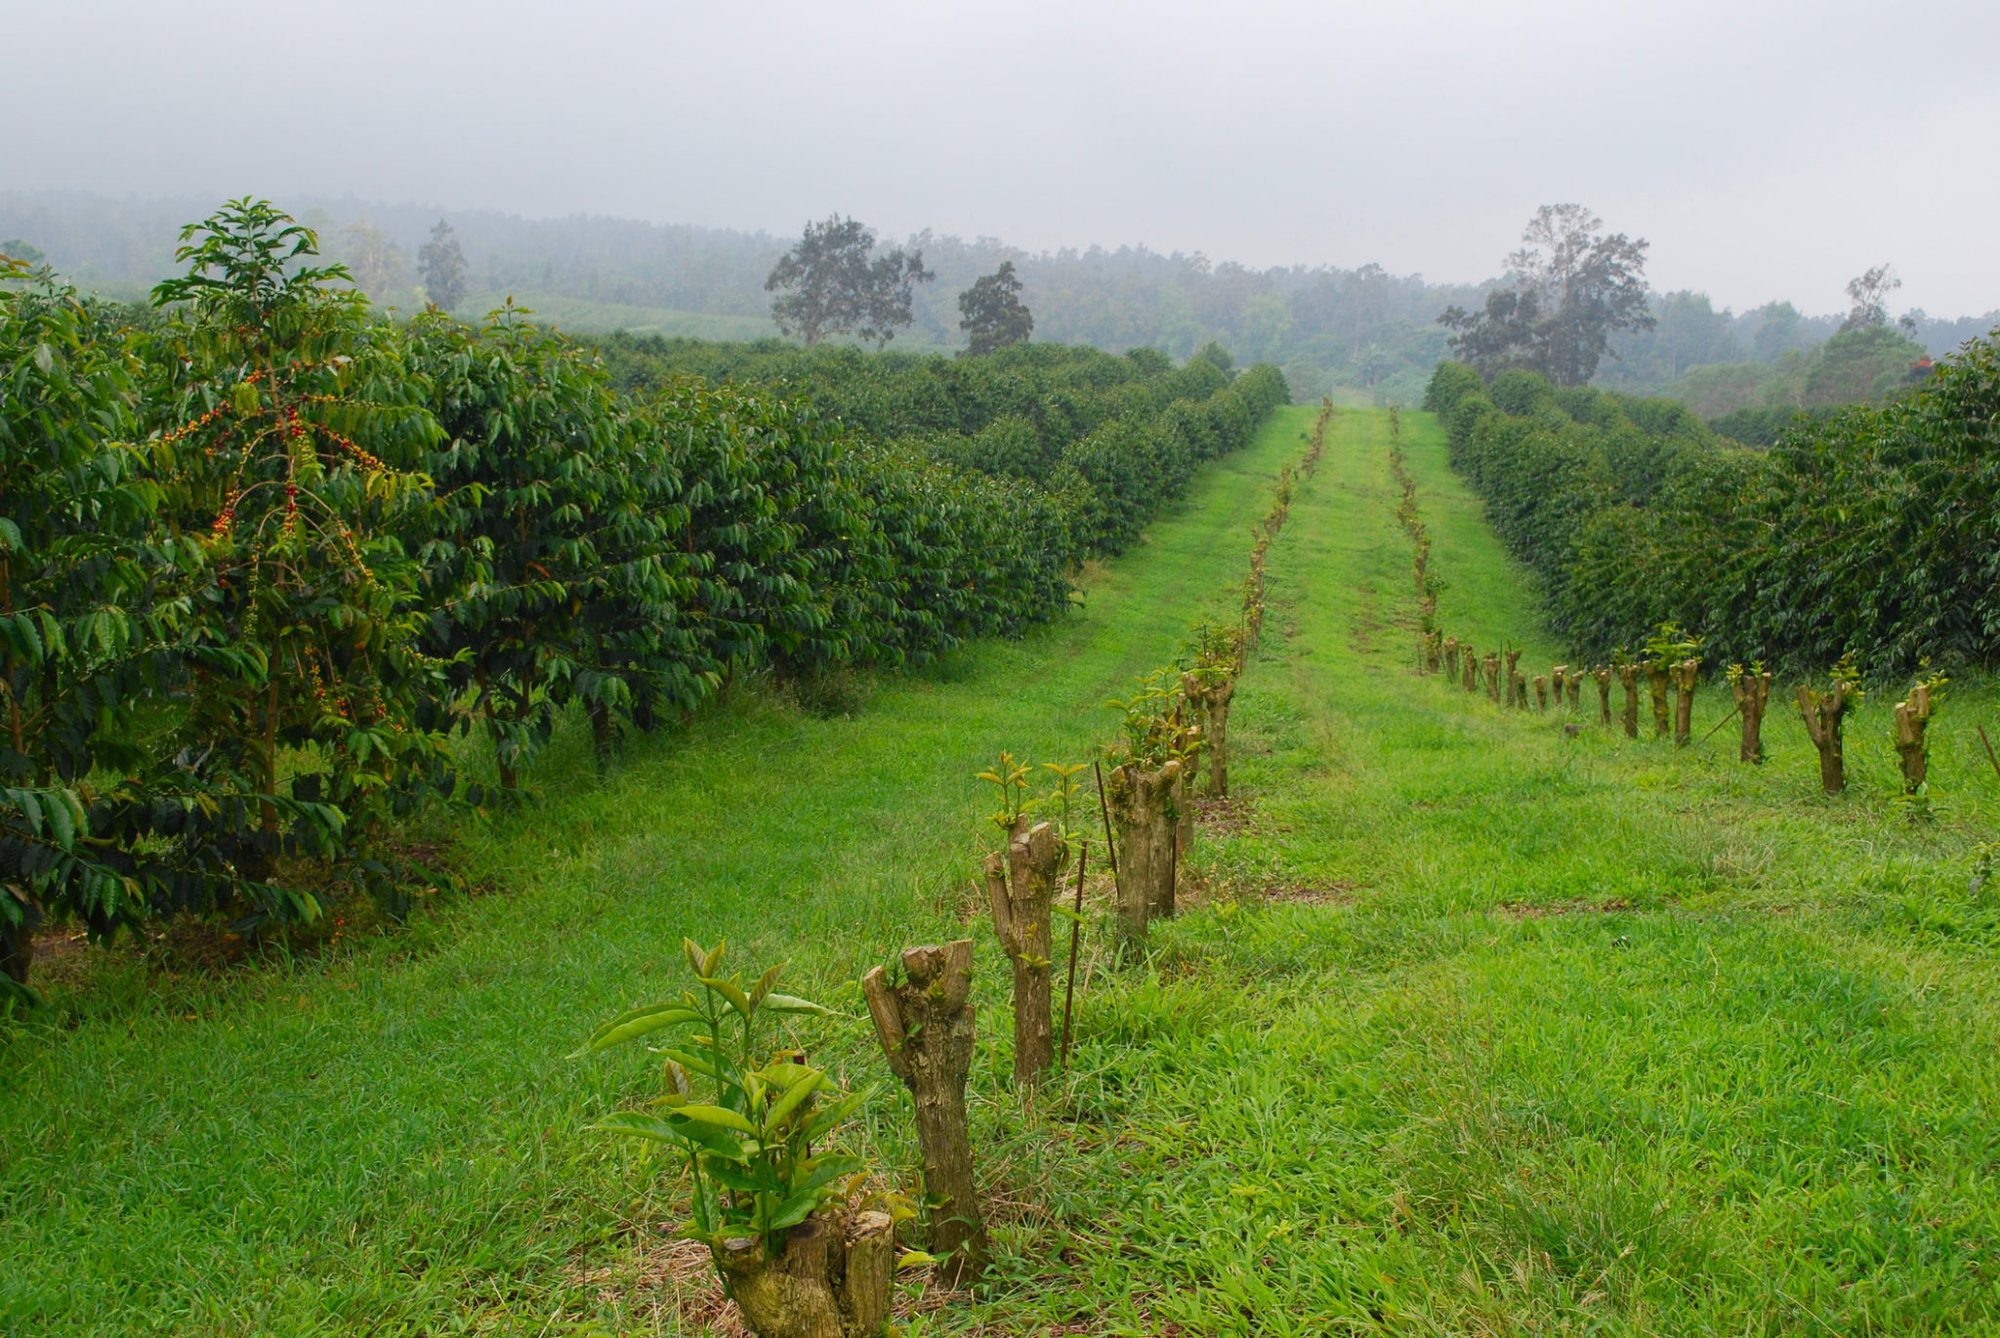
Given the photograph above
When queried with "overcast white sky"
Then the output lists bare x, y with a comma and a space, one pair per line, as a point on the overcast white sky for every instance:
1766, 149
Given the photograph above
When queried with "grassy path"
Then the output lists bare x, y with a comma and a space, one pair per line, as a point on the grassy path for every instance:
1489, 1029
1473, 1026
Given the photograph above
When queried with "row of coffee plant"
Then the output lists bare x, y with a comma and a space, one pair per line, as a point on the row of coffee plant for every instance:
804, 1234
260, 561
1671, 669
1875, 532
1108, 438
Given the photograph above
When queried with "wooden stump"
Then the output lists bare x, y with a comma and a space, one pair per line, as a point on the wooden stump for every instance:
1685, 675
1517, 689
926, 1026
1913, 717
1752, 692
1469, 668
1020, 887
1628, 678
1602, 674
1542, 693
1141, 814
1574, 687
1657, 682
1451, 658
1822, 712
1492, 666
1559, 682
1212, 700
829, 1279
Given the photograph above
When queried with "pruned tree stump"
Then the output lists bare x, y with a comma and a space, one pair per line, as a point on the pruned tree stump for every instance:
1559, 682
1492, 667
1913, 718
830, 1279
1020, 887
1602, 675
1212, 701
927, 1029
1628, 678
1752, 692
1517, 689
1142, 814
1685, 675
1451, 658
1823, 712
1657, 682
1542, 693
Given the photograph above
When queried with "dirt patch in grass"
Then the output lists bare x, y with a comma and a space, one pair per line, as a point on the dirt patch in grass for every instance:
1226, 816
1336, 893
671, 1287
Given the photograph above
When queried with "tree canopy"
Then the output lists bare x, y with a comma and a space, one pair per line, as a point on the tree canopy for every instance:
1574, 287
832, 282
441, 264
993, 313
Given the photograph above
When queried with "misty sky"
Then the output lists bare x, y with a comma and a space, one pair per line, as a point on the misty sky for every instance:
1766, 149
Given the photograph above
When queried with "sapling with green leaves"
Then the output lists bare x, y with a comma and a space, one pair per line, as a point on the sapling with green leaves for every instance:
1666, 650
802, 1251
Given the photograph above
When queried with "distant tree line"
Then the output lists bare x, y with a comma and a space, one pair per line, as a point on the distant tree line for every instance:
1325, 326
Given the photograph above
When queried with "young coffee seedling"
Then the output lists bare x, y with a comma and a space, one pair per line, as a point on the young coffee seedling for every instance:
785, 1223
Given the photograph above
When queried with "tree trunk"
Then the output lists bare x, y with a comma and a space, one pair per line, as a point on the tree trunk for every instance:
1492, 666
1469, 670
1602, 674
1628, 678
1752, 693
926, 1026
17, 948
1140, 802
1542, 692
1822, 712
603, 734
1451, 658
830, 1278
1913, 717
1517, 689
1685, 675
1020, 887
1657, 680
1559, 682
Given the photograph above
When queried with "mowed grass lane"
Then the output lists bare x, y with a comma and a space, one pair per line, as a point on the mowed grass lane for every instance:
1483, 1028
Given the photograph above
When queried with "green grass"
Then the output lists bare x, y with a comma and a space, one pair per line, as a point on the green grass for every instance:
1473, 1026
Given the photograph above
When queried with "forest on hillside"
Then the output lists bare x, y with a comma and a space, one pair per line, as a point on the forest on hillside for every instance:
1359, 328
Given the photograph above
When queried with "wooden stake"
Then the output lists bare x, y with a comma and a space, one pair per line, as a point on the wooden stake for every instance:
1075, 927
1110, 846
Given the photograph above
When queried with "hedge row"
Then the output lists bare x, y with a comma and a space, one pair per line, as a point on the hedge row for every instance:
1874, 533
